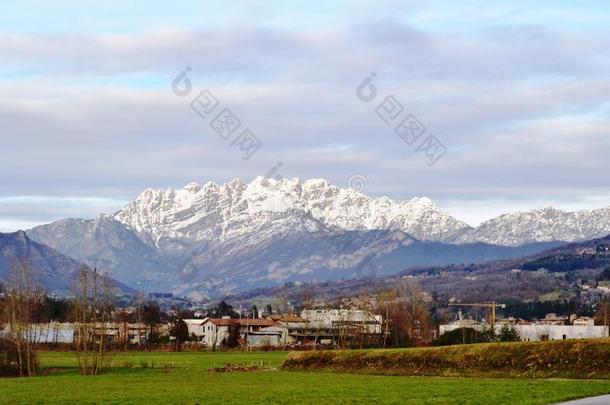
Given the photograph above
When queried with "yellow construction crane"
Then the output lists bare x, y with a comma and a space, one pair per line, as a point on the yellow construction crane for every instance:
493, 305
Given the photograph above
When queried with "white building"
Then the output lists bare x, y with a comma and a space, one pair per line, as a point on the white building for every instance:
269, 336
216, 330
364, 321
462, 323
533, 332
292, 327
551, 327
196, 327
583, 321
55, 333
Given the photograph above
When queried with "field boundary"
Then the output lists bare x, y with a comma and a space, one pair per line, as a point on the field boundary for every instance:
557, 359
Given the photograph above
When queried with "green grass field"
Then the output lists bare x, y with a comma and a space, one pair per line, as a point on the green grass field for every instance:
187, 379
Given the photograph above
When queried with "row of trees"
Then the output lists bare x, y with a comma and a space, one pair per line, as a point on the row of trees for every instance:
25, 306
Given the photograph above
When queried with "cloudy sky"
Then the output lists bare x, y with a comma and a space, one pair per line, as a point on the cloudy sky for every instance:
517, 92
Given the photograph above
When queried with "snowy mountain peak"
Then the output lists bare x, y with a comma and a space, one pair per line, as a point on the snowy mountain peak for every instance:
281, 206
240, 234
544, 224
193, 187
235, 184
211, 212
423, 203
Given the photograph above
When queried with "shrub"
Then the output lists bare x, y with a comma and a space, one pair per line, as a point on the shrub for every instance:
508, 334
11, 364
463, 336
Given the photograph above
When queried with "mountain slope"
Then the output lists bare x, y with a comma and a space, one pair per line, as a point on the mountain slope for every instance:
105, 243
48, 268
307, 256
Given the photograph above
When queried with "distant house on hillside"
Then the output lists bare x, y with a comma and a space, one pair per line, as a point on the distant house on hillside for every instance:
585, 251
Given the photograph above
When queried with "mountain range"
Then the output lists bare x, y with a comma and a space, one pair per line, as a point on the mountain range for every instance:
212, 239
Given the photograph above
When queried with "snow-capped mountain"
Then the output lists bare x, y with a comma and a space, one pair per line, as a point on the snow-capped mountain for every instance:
212, 239
541, 225
213, 212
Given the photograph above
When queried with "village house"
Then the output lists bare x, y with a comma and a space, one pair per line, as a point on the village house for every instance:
216, 330
291, 326
581, 251
117, 333
330, 326
583, 321
196, 328
310, 327
270, 336
553, 319
352, 319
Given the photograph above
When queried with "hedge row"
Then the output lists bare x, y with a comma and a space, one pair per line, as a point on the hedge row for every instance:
565, 358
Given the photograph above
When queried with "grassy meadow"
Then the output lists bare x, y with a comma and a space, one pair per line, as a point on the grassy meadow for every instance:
186, 378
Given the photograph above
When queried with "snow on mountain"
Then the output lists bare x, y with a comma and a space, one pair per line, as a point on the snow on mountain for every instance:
213, 212
211, 239
541, 225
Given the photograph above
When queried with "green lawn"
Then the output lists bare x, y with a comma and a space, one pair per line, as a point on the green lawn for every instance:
190, 381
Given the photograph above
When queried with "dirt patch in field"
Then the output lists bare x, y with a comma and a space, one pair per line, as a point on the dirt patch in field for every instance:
228, 368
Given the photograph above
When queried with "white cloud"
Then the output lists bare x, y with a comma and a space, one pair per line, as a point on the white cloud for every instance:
522, 111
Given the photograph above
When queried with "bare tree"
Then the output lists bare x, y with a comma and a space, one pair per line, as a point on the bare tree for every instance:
22, 299
406, 314
308, 298
365, 303
602, 315
411, 300
284, 309
92, 314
